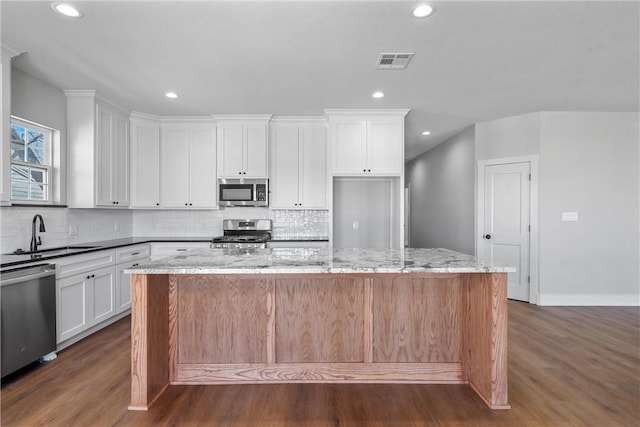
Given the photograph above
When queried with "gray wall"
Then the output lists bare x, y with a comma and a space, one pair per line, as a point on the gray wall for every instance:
368, 203
508, 137
442, 193
589, 163
39, 102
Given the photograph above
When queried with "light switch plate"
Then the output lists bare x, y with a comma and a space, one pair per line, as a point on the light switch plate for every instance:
569, 216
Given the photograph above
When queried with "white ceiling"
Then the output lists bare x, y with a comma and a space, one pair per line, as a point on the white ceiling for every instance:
474, 61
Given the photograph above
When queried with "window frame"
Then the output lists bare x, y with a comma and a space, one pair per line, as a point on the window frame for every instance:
50, 137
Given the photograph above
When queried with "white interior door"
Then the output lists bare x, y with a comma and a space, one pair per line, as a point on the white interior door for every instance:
506, 225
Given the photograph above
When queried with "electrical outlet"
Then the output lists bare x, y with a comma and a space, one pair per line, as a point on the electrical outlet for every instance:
73, 230
116, 227
355, 225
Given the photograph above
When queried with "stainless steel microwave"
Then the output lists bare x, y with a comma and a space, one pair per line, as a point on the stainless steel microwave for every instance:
243, 192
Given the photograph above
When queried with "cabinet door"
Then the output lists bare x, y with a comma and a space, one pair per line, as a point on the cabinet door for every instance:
71, 303
348, 147
120, 161
385, 147
104, 156
123, 285
202, 168
112, 161
255, 151
230, 151
145, 165
103, 295
284, 167
313, 167
174, 168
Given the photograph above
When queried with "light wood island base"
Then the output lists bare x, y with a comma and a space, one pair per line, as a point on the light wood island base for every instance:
447, 328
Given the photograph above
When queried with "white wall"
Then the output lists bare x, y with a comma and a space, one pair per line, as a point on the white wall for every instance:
589, 165
442, 188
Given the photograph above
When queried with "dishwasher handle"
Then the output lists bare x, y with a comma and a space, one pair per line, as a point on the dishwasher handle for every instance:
29, 276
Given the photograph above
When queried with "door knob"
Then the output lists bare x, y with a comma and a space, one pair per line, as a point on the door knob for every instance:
487, 236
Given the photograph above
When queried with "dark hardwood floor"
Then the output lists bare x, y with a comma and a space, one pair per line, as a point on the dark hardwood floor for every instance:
567, 367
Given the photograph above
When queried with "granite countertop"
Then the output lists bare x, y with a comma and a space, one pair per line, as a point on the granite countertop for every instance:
11, 260
319, 260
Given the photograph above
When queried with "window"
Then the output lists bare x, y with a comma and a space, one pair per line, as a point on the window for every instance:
31, 147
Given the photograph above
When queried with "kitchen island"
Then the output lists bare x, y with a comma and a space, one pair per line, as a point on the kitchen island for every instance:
217, 316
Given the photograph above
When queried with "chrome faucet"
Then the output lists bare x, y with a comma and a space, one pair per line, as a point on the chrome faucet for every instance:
36, 242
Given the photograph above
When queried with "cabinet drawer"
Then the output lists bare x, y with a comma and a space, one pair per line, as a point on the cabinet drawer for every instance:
297, 244
131, 253
161, 250
79, 264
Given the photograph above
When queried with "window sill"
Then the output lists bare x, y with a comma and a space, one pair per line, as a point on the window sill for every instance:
36, 205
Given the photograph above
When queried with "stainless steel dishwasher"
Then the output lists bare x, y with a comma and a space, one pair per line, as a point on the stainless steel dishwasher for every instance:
28, 305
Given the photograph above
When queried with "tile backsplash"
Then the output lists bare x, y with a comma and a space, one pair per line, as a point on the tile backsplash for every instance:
71, 226
63, 226
300, 224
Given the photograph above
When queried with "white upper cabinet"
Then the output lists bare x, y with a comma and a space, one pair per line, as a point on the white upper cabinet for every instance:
97, 152
112, 161
298, 165
367, 142
188, 166
145, 163
242, 146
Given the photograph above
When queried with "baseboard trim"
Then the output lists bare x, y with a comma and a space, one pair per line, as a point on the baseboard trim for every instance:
628, 300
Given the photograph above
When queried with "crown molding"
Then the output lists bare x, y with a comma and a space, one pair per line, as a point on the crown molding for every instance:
242, 117
299, 120
333, 112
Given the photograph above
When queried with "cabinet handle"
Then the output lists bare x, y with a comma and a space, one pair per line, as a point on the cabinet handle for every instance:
89, 277
239, 173
157, 204
186, 204
190, 204
135, 265
135, 253
180, 250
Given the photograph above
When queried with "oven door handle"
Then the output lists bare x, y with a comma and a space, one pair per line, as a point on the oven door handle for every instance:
27, 277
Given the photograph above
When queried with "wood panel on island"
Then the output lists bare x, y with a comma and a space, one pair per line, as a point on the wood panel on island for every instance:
382, 323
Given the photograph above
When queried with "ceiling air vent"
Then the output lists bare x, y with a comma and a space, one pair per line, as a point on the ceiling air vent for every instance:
393, 61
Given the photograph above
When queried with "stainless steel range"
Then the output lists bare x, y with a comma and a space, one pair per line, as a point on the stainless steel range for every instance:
243, 234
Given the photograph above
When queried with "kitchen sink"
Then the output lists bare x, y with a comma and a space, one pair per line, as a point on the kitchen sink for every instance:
54, 251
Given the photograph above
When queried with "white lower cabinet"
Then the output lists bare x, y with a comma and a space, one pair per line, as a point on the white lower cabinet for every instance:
298, 244
84, 300
164, 249
128, 257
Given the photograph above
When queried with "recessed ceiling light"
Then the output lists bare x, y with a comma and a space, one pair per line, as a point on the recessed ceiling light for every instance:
377, 94
423, 10
67, 10
171, 95
426, 132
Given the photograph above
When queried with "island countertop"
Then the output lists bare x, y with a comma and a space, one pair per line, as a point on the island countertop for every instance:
319, 261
